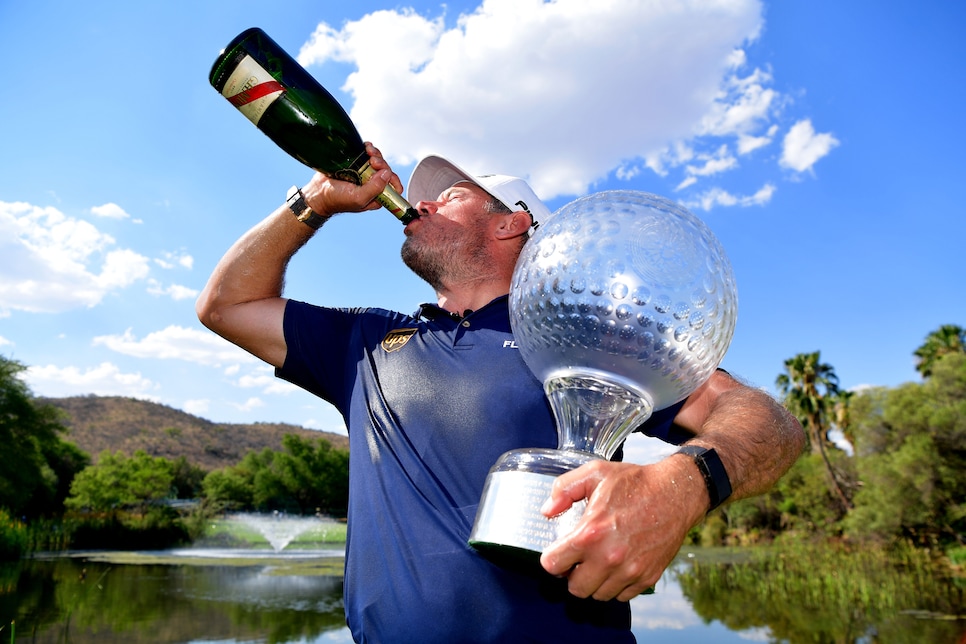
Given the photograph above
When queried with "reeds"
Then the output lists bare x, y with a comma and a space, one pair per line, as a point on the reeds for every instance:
834, 579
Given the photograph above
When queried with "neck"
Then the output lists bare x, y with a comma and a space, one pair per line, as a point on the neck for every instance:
458, 300
478, 280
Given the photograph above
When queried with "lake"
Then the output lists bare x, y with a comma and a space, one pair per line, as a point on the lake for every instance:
231, 596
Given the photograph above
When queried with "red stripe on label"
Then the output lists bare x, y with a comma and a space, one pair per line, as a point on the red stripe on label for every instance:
254, 93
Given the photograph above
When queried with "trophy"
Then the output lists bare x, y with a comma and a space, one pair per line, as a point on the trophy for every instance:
622, 304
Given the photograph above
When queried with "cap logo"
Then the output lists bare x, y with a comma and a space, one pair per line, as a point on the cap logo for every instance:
396, 338
523, 205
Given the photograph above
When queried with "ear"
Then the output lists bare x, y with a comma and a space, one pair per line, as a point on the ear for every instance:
513, 225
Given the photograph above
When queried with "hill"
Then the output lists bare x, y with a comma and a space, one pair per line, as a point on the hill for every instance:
99, 423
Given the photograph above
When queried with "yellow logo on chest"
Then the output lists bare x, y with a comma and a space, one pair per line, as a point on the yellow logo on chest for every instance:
396, 338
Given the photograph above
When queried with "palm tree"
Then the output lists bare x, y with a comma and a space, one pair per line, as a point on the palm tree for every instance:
949, 338
811, 392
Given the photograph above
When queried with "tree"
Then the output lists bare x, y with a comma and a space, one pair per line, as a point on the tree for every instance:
811, 392
187, 478
228, 489
947, 339
308, 476
37, 465
911, 443
121, 483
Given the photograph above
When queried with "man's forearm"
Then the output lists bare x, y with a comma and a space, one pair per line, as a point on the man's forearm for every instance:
756, 438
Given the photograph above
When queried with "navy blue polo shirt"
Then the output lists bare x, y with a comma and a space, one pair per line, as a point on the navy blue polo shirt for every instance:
430, 403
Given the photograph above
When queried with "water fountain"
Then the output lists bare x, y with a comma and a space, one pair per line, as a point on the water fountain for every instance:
244, 536
278, 528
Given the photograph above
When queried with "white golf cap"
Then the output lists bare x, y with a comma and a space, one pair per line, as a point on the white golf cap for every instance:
434, 174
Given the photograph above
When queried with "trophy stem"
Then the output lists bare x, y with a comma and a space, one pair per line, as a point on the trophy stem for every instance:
595, 411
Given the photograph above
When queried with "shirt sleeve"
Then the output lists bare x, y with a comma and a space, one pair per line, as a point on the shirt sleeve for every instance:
319, 354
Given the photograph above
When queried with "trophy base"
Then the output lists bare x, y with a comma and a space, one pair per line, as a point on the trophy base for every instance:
521, 559
509, 526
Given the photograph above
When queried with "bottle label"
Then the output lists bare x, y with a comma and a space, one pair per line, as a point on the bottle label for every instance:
251, 89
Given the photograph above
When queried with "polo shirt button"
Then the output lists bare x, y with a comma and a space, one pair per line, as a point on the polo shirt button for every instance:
466, 323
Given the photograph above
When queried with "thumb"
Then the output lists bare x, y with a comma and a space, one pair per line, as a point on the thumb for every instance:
570, 487
375, 185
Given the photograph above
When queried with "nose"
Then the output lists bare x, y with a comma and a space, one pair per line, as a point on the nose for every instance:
426, 207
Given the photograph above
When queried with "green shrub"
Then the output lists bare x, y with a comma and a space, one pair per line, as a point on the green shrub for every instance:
957, 556
13, 536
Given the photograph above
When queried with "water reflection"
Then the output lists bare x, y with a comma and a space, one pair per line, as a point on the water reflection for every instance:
219, 596
83, 600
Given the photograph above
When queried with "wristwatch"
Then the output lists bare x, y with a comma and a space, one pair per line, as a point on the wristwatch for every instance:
295, 201
713, 470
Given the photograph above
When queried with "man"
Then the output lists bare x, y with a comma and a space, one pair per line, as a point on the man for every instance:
431, 400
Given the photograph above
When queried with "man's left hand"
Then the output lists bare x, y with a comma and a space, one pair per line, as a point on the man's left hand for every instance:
636, 519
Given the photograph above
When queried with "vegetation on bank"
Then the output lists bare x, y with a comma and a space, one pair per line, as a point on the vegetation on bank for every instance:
884, 466
801, 592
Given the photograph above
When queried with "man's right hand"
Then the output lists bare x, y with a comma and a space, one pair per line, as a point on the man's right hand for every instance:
242, 301
328, 196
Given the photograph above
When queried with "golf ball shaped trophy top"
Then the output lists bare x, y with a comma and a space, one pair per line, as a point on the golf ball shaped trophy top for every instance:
622, 304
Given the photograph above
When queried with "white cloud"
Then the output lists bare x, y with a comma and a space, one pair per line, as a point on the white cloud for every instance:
249, 405
196, 407
588, 86
203, 348
803, 147
748, 143
122, 268
105, 379
837, 436
690, 181
741, 106
175, 291
110, 211
666, 609
4, 341
171, 260
719, 197
263, 377
329, 420
179, 343
643, 450
54, 263
720, 161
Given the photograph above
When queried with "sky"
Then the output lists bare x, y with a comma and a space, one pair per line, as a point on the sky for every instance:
820, 140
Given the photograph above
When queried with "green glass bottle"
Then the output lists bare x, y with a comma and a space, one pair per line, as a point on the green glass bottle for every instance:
283, 100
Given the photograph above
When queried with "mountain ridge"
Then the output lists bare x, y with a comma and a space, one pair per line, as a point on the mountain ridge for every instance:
117, 423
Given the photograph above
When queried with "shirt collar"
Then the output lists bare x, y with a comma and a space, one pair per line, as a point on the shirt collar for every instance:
430, 311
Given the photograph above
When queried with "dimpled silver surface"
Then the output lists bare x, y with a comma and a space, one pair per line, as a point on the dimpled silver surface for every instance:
630, 284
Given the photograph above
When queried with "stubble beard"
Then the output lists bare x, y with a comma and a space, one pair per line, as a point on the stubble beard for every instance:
443, 262
424, 262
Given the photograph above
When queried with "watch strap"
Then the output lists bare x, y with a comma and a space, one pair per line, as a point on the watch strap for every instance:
295, 201
712, 469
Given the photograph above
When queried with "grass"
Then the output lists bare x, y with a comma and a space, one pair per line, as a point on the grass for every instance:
845, 578
234, 533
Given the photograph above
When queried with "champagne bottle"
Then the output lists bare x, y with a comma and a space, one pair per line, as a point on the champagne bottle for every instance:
283, 100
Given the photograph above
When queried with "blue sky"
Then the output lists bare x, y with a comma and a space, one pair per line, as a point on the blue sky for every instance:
820, 140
